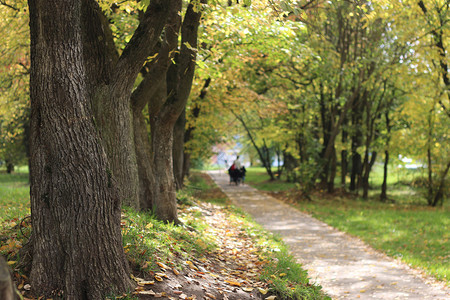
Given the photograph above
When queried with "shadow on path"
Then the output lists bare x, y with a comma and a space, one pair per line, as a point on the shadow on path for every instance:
344, 266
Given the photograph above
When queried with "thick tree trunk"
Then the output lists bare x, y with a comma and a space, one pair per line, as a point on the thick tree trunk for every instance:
165, 203
7, 289
143, 156
178, 149
439, 195
75, 206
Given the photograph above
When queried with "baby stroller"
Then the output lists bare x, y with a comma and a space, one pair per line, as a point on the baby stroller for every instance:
237, 176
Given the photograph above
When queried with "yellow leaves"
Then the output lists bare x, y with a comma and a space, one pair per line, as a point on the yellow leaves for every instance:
191, 265
233, 283
175, 271
12, 262
162, 266
144, 283
263, 291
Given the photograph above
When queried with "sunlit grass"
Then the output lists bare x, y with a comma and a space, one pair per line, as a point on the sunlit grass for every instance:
14, 197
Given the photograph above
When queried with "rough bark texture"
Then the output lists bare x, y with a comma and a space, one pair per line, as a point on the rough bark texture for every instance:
77, 243
179, 82
178, 149
143, 155
7, 289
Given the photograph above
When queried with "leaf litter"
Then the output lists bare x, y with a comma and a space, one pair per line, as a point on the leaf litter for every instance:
229, 271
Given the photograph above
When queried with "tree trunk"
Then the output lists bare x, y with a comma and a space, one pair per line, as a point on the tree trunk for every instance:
172, 104
439, 195
344, 154
143, 156
383, 195
366, 175
178, 149
9, 167
330, 184
189, 134
75, 205
165, 204
7, 288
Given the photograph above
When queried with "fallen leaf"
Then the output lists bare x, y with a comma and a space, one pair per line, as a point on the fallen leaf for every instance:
158, 278
146, 282
161, 275
210, 295
271, 298
162, 266
27, 287
183, 296
263, 291
191, 264
177, 292
233, 283
247, 289
283, 274
149, 292
11, 262
175, 271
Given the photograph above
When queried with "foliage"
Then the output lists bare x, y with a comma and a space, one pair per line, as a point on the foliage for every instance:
14, 69
155, 248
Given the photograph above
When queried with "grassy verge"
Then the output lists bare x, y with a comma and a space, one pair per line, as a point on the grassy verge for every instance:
284, 275
409, 230
217, 239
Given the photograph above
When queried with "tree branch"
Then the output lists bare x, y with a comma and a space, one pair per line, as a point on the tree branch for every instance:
141, 44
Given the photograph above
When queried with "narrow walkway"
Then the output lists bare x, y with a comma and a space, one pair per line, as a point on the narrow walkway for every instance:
344, 266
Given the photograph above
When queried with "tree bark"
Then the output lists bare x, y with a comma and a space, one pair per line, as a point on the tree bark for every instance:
178, 149
171, 105
75, 204
332, 176
189, 134
383, 195
7, 288
111, 80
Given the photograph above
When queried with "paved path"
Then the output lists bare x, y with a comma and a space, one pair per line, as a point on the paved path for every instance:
344, 266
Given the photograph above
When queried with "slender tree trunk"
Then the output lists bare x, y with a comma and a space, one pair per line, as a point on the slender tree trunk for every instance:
344, 159
330, 185
383, 196
75, 205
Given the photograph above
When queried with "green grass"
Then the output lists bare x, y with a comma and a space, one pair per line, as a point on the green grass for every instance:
285, 276
417, 235
258, 178
406, 229
14, 197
